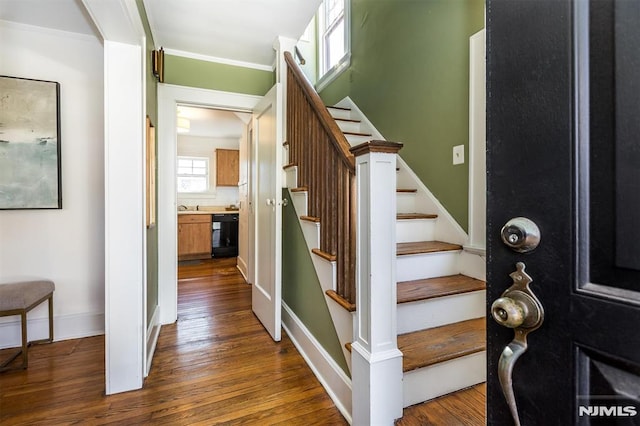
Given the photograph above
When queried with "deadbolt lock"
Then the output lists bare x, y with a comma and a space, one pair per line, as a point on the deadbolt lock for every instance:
521, 234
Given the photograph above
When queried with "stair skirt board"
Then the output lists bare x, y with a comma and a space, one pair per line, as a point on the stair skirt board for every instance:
439, 379
411, 230
334, 380
426, 265
423, 314
472, 265
447, 229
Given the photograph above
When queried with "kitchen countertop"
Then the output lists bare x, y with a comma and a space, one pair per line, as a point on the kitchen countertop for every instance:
209, 210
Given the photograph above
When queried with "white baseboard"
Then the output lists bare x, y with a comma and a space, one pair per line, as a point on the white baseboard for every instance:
242, 267
65, 327
331, 376
153, 331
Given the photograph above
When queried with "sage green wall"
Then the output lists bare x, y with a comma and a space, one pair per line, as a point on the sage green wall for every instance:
211, 75
301, 289
152, 112
409, 74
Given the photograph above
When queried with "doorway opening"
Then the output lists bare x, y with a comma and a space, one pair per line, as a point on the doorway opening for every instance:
213, 183
204, 102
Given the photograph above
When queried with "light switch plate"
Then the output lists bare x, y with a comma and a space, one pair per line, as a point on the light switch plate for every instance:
458, 154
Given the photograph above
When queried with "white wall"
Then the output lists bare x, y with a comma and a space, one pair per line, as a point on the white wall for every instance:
65, 245
197, 146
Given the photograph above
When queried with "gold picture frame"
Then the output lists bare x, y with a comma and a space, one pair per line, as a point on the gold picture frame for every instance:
150, 174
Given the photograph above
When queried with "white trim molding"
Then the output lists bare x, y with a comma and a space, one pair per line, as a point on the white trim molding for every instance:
217, 60
65, 327
477, 145
376, 361
169, 96
121, 27
329, 374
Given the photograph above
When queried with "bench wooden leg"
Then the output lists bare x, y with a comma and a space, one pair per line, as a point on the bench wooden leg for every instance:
50, 338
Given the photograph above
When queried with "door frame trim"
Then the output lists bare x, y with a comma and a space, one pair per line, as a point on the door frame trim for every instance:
169, 96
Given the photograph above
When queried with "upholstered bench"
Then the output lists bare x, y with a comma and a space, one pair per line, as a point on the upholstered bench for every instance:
18, 298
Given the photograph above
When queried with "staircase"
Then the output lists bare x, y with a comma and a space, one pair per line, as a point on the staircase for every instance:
441, 325
440, 286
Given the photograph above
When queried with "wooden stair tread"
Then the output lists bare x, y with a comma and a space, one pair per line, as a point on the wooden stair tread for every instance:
323, 254
357, 134
288, 166
425, 247
430, 288
341, 108
435, 345
310, 219
347, 119
351, 307
403, 216
299, 189
406, 190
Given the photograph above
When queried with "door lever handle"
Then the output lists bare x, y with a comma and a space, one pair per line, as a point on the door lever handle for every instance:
520, 309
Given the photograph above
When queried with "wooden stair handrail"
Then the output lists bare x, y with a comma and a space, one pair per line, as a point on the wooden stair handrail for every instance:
326, 171
336, 136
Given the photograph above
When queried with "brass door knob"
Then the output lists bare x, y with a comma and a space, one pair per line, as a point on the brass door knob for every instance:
508, 312
520, 309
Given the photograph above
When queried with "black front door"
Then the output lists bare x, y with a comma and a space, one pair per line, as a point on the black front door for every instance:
563, 149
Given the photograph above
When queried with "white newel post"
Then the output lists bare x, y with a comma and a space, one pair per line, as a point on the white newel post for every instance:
376, 361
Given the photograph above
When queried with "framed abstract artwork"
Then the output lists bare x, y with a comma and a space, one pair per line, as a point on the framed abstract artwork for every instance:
30, 164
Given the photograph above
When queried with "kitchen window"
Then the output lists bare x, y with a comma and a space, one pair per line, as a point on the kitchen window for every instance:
334, 44
193, 174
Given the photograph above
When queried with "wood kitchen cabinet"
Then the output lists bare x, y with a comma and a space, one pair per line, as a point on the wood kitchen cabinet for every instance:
227, 167
194, 236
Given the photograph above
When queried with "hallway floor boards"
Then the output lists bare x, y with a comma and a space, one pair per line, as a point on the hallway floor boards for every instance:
216, 365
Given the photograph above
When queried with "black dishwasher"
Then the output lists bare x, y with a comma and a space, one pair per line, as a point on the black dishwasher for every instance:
224, 235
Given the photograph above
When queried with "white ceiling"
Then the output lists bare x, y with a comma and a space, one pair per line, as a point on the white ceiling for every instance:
237, 30
64, 15
231, 30
215, 123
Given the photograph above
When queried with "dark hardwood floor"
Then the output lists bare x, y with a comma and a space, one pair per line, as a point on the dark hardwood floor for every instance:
216, 365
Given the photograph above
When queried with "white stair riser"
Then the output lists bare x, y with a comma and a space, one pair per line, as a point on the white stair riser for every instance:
349, 126
300, 202
311, 231
427, 265
357, 139
414, 230
291, 176
406, 202
431, 313
440, 379
340, 113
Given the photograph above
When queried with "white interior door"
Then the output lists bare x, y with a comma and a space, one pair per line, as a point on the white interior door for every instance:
266, 288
